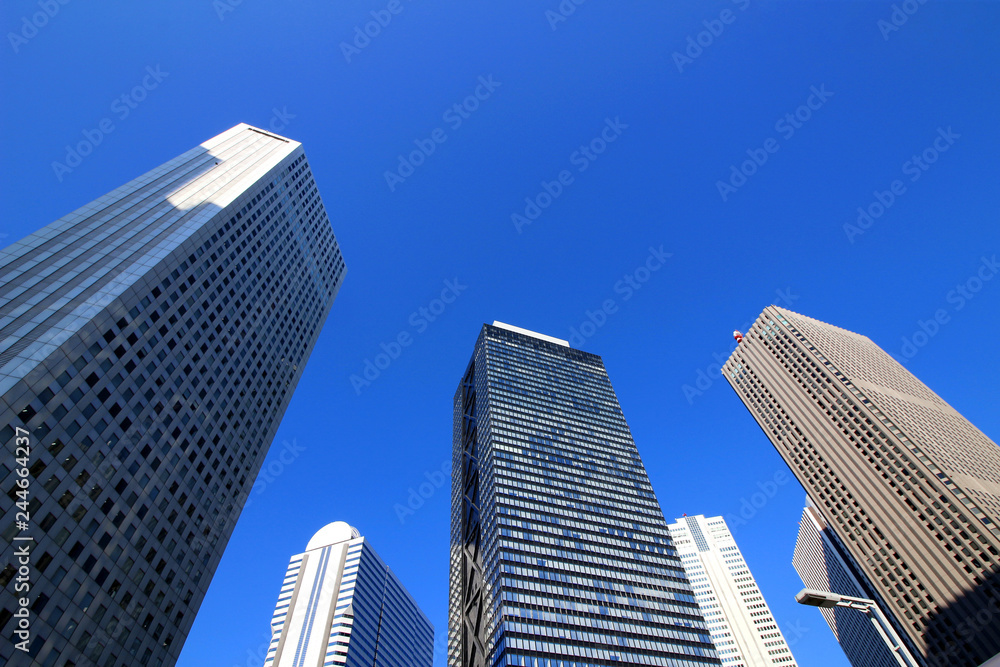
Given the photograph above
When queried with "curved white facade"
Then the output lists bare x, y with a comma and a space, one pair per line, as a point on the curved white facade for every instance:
341, 605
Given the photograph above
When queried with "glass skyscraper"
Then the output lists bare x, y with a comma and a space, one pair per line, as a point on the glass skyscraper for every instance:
560, 554
149, 345
341, 605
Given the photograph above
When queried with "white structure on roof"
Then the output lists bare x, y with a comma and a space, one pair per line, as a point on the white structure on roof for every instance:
533, 334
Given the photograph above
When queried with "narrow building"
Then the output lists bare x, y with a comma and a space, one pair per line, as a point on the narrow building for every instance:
823, 564
742, 626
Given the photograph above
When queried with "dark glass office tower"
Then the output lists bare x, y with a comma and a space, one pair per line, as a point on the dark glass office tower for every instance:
560, 555
149, 345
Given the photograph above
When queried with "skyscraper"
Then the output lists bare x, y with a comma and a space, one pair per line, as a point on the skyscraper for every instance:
560, 555
824, 565
341, 605
149, 345
911, 488
739, 620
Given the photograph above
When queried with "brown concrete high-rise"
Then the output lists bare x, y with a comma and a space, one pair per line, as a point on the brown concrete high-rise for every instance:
909, 485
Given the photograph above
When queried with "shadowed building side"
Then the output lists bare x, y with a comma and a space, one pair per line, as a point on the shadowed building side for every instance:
824, 565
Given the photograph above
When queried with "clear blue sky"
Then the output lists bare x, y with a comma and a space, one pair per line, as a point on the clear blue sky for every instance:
679, 125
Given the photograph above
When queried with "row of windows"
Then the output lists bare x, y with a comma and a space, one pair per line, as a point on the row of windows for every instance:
132, 469
564, 486
886, 459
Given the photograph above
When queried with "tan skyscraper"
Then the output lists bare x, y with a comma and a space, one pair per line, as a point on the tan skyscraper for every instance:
909, 485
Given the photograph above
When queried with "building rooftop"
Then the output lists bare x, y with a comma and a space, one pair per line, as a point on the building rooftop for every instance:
526, 332
333, 533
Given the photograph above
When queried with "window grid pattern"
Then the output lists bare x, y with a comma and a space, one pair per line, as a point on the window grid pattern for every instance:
374, 621
162, 353
739, 620
925, 546
579, 567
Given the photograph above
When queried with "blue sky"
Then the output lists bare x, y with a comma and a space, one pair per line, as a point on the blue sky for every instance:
688, 91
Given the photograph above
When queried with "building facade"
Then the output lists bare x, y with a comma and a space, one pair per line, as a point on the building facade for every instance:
560, 555
150, 343
341, 605
739, 620
823, 564
911, 488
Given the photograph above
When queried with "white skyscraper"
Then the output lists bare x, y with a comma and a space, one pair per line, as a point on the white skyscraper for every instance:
340, 605
739, 620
